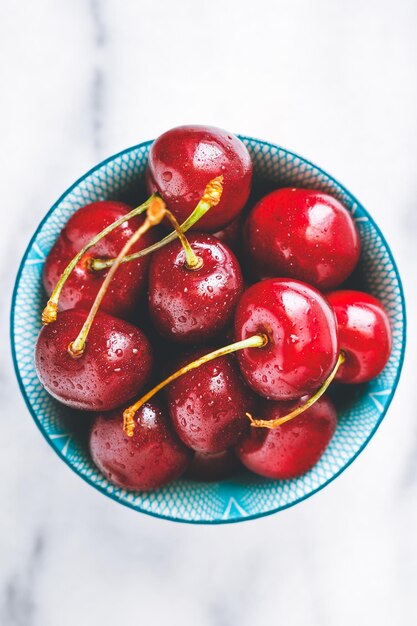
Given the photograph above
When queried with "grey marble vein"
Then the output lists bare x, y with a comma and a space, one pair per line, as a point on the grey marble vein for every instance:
97, 114
100, 28
98, 82
18, 606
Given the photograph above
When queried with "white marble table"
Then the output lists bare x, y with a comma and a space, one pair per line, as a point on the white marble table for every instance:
334, 81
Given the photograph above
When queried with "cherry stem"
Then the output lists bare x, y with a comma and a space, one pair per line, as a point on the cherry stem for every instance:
192, 261
154, 215
50, 312
256, 423
210, 199
255, 341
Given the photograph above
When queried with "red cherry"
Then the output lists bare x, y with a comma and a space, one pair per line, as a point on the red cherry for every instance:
192, 305
208, 405
184, 159
364, 334
151, 458
213, 467
303, 234
293, 448
113, 368
302, 346
82, 285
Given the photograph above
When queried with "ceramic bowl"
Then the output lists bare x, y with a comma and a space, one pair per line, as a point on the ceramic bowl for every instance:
361, 408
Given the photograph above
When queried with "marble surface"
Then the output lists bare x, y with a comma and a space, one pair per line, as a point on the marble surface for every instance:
332, 80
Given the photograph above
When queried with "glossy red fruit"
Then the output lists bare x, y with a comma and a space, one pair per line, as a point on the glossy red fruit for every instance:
153, 457
83, 284
183, 160
302, 346
293, 448
208, 404
190, 306
302, 234
114, 367
213, 467
364, 334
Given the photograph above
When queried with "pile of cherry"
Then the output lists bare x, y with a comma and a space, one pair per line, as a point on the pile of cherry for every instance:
198, 352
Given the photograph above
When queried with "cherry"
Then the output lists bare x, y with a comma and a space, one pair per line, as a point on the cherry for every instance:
364, 333
151, 458
107, 370
302, 234
83, 284
293, 329
302, 343
189, 305
184, 159
113, 368
211, 197
293, 448
208, 405
213, 467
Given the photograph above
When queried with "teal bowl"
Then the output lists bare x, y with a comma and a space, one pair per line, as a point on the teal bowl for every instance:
361, 408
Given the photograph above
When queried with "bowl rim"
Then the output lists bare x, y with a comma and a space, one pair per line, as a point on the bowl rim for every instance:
128, 504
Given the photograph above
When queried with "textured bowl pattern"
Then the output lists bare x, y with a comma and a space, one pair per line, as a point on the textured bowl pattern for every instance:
361, 408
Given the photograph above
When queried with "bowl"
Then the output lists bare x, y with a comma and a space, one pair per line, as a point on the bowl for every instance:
246, 496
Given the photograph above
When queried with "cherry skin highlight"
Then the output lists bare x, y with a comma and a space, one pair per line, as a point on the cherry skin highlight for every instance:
302, 234
364, 333
193, 305
213, 467
207, 405
83, 284
184, 159
293, 448
153, 457
114, 367
302, 346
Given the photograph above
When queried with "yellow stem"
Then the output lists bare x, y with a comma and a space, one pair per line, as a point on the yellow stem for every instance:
50, 312
210, 199
256, 341
192, 261
300, 409
154, 215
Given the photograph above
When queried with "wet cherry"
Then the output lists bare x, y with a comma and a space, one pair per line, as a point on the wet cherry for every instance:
208, 405
286, 333
302, 347
293, 448
114, 367
287, 347
151, 458
302, 234
364, 334
212, 467
83, 284
193, 305
184, 159
90, 360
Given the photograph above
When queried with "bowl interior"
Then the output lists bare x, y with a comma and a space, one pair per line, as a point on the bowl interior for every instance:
361, 408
